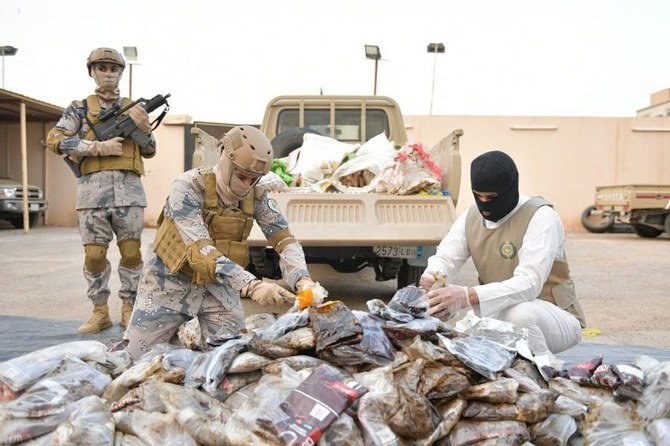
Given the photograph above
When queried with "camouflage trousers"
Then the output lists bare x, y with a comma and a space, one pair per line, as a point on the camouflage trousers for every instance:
153, 324
97, 227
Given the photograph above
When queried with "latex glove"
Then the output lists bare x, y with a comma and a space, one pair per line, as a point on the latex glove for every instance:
309, 293
304, 283
447, 300
430, 280
141, 118
267, 293
111, 147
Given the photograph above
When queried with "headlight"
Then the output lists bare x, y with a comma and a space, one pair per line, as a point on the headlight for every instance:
7, 192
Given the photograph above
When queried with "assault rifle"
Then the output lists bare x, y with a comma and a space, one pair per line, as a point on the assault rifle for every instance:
113, 123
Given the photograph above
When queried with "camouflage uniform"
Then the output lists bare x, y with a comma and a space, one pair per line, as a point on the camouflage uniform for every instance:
108, 202
166, 300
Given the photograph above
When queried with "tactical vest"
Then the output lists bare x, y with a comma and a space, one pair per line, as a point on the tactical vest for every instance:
495, 255
131, 158
228, 229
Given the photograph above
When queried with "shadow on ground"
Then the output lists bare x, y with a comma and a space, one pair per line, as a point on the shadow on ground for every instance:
21, 335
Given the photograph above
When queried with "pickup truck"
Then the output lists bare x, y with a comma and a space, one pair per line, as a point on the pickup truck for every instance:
11, 202
392, 234
645, 207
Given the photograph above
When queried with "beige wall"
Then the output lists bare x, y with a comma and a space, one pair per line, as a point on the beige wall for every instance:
160, 171
564, 164
10, 151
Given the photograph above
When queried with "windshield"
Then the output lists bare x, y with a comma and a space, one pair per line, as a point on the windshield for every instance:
347, 122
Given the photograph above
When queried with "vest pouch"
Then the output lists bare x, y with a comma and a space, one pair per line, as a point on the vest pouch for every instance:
235, 251
565, 299
227, 227
170, 247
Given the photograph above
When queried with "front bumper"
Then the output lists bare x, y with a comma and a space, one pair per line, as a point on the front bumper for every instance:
15, 206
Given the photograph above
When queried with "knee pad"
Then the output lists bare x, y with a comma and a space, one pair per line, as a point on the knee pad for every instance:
95, 258
131, 256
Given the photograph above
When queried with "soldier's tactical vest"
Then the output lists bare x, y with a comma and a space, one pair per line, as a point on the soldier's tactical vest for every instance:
495, 255
228, 229
131, 158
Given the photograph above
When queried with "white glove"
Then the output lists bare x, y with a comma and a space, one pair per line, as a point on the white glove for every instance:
112, 147
447, 300
267, 293
430, 280
141, 118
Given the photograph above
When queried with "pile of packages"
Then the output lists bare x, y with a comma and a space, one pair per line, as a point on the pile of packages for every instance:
325, 164
328, 375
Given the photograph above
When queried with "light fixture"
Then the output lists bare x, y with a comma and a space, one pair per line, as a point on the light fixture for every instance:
130, 52
434, 48
372, 52
6, 50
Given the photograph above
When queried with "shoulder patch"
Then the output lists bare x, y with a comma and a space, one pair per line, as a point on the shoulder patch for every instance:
272, 204
507, 250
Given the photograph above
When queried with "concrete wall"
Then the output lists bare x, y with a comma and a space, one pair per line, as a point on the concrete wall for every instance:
162, 169
10, 151
561, 158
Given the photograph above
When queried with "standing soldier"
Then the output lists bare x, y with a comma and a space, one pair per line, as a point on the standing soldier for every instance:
200, 247
110, 196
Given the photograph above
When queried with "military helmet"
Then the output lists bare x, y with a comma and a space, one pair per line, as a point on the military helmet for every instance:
108, 55
247, 148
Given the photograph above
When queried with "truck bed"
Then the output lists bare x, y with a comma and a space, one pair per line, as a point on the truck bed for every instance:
334, 219
632, 196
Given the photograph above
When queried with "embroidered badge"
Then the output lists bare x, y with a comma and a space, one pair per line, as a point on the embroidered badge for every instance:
273, 205
507, 250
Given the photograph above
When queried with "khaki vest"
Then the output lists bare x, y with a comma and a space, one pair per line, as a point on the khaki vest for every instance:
495, 255
131, 158
228, 229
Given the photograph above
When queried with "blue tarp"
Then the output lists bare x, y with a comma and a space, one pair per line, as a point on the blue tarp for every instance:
21, 335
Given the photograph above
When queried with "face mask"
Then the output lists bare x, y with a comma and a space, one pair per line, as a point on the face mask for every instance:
228, 186
107, 82
495, 172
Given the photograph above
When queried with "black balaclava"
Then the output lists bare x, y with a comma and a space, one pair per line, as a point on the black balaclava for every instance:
495, 172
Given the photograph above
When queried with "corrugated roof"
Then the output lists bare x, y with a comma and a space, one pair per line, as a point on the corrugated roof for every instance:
36, 110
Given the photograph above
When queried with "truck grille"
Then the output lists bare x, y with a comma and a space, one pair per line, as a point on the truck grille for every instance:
315, 213
32, 192
411, 214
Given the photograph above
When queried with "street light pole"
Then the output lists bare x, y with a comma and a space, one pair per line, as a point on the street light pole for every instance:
131, 59
6, 50
372, 52
434, 48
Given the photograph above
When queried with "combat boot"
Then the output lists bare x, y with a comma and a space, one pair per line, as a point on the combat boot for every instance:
126, 312
98, 321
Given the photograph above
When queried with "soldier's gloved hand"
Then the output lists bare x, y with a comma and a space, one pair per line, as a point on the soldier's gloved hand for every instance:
141, 118
267, 293
447, 300
111, 147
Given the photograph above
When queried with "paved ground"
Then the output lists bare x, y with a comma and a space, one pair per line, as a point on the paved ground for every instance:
622, 280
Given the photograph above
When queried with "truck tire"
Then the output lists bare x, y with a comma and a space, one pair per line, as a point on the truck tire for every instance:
646, 231
264, 263
287, 141
596, 223
409, 275
18, 221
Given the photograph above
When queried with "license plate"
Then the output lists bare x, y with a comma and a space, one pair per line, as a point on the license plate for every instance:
404, 252
34, 207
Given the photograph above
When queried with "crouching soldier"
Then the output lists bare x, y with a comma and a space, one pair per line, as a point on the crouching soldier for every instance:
200, 247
